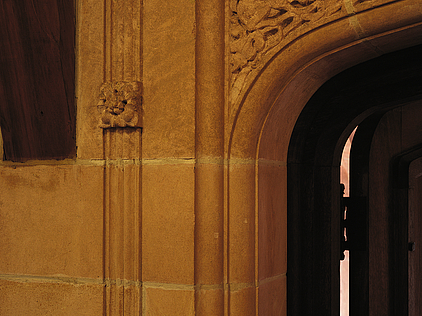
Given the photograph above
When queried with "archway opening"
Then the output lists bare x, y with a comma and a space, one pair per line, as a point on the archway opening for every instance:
344, 263
359, 95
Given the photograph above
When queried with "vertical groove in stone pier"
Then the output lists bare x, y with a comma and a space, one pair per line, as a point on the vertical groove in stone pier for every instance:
122, 221
122, 150
209, 149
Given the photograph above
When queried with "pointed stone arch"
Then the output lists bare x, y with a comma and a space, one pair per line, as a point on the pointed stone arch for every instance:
258, 142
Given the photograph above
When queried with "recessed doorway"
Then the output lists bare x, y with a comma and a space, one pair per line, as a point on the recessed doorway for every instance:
382, 96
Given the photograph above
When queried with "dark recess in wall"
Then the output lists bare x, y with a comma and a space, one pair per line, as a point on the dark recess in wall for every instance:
37, 79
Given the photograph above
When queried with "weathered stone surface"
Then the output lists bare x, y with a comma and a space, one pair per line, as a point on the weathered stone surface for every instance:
177, 206
50, 299
169, 79
169, 302
51, 220
120, 104
168, 223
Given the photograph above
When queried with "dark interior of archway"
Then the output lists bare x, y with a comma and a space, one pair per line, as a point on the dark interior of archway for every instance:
366, 90
37, 106
379, 83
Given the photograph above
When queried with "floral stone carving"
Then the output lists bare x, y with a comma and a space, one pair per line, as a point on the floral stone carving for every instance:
120, 104
257, 26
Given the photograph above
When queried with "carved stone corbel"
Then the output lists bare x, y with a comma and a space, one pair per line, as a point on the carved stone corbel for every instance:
120, 104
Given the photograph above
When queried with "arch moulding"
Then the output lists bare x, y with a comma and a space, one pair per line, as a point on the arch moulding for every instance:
264, 104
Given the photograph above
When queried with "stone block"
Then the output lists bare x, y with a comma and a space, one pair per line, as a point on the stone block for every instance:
241, 219
50, 299
168, 223
169, 79
51, 220
272, 219
272, 298
167, 302
242, 302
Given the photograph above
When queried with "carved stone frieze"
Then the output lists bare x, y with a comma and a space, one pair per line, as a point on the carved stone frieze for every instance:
120, 104
258, 26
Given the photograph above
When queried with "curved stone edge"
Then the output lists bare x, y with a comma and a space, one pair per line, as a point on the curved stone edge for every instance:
251, 49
